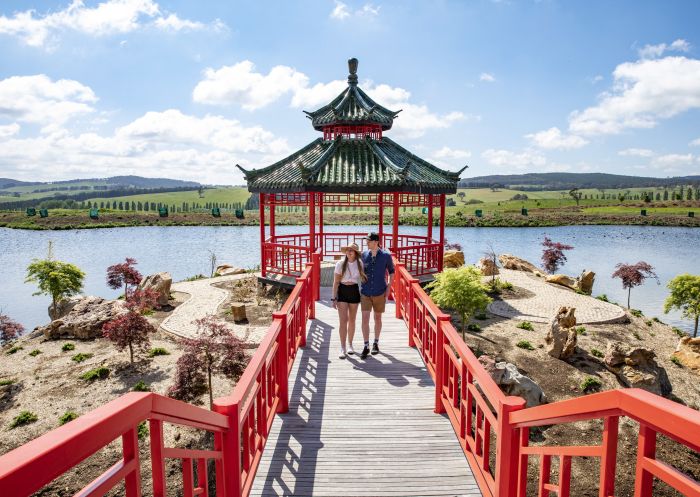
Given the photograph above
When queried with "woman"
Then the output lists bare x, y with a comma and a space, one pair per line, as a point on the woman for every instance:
349, 273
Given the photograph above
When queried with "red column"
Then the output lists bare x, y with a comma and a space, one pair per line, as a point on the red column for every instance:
430, 218
312, 221
395, 233
273, 207
441, 252
263, 262
322, 242
381, 218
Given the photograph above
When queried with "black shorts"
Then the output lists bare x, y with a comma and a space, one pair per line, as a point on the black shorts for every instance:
349, 293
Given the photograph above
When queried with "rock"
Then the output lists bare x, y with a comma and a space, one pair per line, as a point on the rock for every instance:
453, 258
513, 382
488, 267
160, 282
561, 336
561, 279
584, 283
85, 319
637, 368
64, 307
688, 353
227, 269
509, 261
238, 312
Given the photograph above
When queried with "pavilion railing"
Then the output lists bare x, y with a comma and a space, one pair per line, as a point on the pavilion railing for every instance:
240, 423
493, 429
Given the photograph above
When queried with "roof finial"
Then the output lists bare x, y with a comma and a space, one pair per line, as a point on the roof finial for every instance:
352, 66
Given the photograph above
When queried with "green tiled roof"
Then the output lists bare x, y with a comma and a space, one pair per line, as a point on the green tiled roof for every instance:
352, 165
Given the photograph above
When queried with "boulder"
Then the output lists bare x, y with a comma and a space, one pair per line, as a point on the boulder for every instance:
453, 258
85, 319
561, 279
64, 307
509, 261
561, 335
488, 267
227, 269
584, 283
637, 368
688, 353
513, 382
160, 282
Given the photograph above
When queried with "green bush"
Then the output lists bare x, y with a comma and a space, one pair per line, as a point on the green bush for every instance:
525, 325
636, 335
649, 322
142, 430
80, 357
67, 347
23, 418
581, 330
677, 331
67, 417
95, 374
590, 384
35, 352
157, 351
473, 327
675, 360
636, 313
481, 316
603, 297
4, 383
656, 319
597, 353
141, 387
14, 350
524, 344
196, 277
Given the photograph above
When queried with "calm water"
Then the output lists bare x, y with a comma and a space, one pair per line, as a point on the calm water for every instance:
184, 251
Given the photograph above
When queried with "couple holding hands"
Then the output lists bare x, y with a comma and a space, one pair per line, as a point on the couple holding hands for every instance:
364, 279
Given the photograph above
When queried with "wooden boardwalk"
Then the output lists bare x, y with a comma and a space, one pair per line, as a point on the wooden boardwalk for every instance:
361, 428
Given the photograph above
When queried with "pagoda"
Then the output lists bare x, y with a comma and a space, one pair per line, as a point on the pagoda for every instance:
353, 164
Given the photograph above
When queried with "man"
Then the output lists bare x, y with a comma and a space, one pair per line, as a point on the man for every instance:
377, 264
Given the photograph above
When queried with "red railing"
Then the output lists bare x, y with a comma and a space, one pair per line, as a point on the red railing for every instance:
284, 259
240, 423
493, 429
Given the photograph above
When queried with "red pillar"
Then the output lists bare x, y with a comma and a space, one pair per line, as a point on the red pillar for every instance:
312, 221
381, 218
441, 252
263, 262
322, 243
395, 232
273, 207
430, 218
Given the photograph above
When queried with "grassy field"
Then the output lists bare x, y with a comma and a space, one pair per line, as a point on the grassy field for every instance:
218, 195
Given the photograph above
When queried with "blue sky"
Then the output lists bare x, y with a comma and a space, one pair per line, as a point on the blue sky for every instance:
188, 89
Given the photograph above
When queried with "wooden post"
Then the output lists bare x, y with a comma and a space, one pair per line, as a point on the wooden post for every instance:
508, 448
381, 218
440, 361
130, 452
322, 242
441, 252
282, 361
157, 461
273, 207
646, 448
430, 218
398, 288
395, 233
411, 310
608, 460
230, 446
263, 261
312, 221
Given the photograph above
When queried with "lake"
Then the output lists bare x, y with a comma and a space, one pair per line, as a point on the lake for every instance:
184, 252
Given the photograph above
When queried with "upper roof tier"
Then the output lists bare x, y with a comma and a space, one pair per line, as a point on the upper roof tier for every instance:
352, 107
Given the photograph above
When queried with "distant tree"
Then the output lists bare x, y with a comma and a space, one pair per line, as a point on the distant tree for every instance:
123, 274
553, 256
680, 195
9, 329
665, 194
576, 194
450, 202
130, 331
689, 194
57, 279
634, 275
658, 196
200, 191
461, 195
460, 290
685, 296
213, 350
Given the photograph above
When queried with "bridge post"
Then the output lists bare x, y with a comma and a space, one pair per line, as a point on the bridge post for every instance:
282, 362
411, 311
608, 461
440, 361
508, 449
398, 297
230, 446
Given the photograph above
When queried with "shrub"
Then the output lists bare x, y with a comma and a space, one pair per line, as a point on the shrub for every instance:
474, 327
130, 331
597, 353
649, 322
636, 335
657, 320
9, 329
141, 387
157, 351
603, 297
23, 418
80, 357
35, 352
95, 374
685, 296
481, 316
142, 430
677, 331
4, 383
636, 313
123, 274
581, 330
590, 384
67, 417
68, 347
526, 325
14, 350
675, 360
195, 277
524, 344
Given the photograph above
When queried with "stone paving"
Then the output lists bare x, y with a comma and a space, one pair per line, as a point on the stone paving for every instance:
205, 299
547, 300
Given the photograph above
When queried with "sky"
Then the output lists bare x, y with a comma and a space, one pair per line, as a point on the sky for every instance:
187, 90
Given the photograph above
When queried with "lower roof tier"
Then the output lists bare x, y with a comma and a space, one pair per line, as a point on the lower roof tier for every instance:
352, 165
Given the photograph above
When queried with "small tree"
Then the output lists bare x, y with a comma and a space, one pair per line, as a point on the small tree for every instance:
460, 290
123, 274
685, 296
129, 330
9, 329
143, 300
553, 256
213, 350
576, 194
490, 254
634, 275
57, 279
212, 263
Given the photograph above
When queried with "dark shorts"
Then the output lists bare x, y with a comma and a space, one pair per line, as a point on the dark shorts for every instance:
349, 293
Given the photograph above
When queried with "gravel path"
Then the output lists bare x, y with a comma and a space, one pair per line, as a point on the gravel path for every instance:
548, 299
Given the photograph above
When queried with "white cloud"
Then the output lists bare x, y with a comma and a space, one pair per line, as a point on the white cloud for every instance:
644, 92
596, 79
9, 130
487, 77
341, 11
507, 158
553, 138
368, 10
636, 152
107, 18
673, 160
695, 143
37, 99
654, 51
311, 97
452, 153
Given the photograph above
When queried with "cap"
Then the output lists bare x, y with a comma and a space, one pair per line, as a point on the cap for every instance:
372, 236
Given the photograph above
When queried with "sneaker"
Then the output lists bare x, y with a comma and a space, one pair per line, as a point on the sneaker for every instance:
375, 348
365, 352
351, 351
342, 354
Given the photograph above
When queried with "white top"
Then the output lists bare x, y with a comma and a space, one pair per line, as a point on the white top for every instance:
352, 273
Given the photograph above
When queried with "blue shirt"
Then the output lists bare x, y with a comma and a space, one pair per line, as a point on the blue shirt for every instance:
376, 269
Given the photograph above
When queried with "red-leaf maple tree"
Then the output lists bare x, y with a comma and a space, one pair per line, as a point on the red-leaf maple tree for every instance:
553, 256
634, 275
9, 329
129, 330
123, 274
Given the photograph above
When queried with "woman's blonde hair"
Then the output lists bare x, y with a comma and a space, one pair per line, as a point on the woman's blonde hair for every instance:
360, 266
